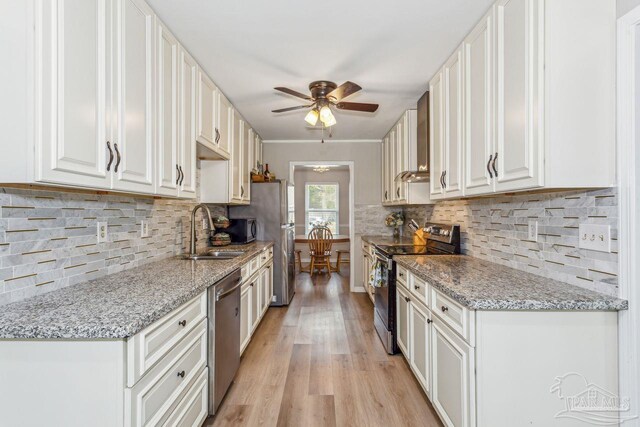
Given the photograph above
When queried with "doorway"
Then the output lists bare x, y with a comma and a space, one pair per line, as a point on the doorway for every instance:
313, 179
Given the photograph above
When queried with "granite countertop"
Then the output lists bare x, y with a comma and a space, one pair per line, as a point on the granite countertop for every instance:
119, 305
484, 285
388, 240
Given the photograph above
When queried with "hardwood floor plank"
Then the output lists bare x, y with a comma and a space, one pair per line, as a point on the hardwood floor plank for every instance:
319, 362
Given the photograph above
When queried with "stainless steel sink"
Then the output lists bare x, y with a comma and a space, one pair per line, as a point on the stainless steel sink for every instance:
215, 255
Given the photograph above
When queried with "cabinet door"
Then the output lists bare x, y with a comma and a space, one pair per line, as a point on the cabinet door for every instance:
207, 111
402, 324
384, 160
402, 158
452, 392
187, 126
453, 101
167, 106
71, 127
519, 86
257, 151
237, 189
256, 308
420, 337
134, 94
392, 165
436, 129
224, 124
266, 288
247, 161
245, 316
479, 116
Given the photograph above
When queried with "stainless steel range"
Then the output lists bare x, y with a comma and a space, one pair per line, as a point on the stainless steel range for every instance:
441, 239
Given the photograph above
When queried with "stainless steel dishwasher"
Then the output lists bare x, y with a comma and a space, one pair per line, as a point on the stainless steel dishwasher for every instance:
223, 301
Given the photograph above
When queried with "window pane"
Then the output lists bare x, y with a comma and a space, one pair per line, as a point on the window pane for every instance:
322, 196
322, 219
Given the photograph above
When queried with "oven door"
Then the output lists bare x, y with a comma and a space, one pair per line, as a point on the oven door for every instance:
385, 307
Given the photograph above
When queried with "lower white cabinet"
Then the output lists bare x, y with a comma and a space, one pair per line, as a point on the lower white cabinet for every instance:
453, 393
496, 368
255, 294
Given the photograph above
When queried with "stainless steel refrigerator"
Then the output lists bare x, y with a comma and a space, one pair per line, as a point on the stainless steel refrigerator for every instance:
271, 205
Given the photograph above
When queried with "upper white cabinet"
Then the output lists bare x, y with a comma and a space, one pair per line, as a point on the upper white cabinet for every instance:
237, 189
119, 103
71, 130
399, 154
538, 108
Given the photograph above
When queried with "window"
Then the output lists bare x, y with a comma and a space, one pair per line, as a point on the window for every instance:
321, 205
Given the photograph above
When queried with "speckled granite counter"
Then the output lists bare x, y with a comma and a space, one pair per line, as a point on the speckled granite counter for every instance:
119, 305
483, 285
387, 240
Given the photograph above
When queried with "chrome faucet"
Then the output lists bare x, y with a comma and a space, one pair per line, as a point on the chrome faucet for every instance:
192, 246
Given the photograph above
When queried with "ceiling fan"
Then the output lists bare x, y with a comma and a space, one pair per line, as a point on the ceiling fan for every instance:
324, 95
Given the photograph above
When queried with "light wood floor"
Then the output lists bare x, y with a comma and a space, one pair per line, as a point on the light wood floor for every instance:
319, 362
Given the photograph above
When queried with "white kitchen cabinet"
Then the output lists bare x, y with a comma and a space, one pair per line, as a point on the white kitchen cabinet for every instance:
256, 298
420, 344
187, 148
436, 137
402, 321
168, 81
248, 161
266, 287
539, 108
454, 101
399, 154
245, 316
207, 112
237, 153
453, 390
478, 106
447, 139
257, 150
71, 131
133, 136
224, 124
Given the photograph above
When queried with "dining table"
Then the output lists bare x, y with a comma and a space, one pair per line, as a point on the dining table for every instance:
337, 238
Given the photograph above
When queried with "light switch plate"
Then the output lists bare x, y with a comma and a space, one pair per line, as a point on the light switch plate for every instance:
102, 231
533, 231
595, 237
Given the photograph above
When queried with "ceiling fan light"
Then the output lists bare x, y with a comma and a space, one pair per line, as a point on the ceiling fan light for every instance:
312, 117
326, 116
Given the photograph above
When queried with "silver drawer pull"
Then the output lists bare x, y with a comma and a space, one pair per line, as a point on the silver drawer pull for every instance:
444, 308
182, 323
181, 374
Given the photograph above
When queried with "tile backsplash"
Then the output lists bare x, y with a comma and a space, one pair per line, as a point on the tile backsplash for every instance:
495, 229
48, 238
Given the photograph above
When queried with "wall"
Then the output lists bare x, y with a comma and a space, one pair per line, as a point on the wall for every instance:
48, 237
495, 229
303, 176
624, 6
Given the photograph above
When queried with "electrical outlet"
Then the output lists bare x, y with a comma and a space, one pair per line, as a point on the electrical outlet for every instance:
144, 228
273, 298
205, 224
103, 232
533, 231
595, 237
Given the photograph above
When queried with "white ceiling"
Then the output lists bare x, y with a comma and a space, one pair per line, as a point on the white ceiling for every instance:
390, 48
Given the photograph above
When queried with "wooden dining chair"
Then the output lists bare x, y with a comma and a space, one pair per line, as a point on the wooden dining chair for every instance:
320, 241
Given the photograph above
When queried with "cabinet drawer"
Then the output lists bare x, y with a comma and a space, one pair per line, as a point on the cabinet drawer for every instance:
455, 315
158, 393
264, 258
419, 288
254, 265
148, 346
193, 408
402, 275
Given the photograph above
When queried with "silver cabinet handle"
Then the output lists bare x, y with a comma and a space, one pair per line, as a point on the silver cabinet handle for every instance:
489, 163
444, 179
181, 174
178, 175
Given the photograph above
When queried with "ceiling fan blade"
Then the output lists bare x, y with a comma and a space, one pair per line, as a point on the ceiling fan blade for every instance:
294, 93
299, 107
342, 91
357, 106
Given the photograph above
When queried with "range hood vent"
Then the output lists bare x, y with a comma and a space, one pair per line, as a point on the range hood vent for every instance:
422, 140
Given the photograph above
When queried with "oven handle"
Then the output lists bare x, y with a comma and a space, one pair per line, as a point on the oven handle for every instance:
384, 260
